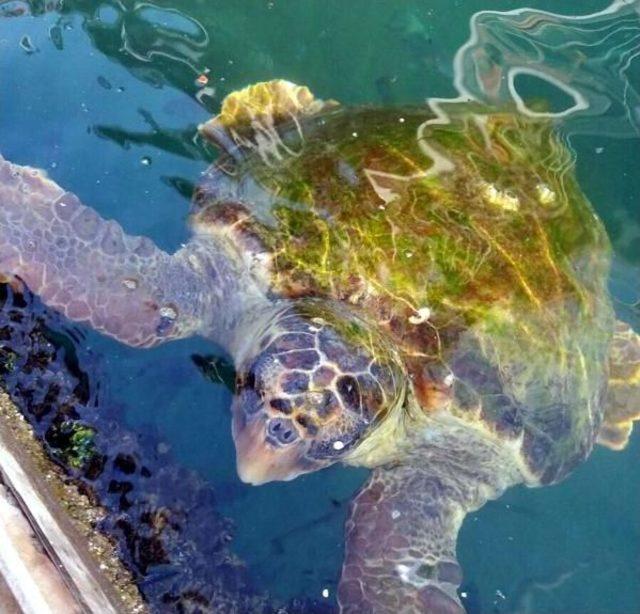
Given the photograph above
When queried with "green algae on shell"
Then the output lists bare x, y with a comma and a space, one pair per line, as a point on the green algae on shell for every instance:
467, 241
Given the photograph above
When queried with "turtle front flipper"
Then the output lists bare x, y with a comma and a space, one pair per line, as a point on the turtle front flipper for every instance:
87, 268
401, 546
622, 405
400, 555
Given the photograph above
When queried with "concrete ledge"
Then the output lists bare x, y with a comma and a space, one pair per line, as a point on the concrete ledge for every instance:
34, 520
8, 604
32, 583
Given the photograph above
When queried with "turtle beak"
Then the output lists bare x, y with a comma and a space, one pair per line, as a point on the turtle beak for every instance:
258, 460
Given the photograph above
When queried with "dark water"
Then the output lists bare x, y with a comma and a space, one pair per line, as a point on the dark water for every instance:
103, 96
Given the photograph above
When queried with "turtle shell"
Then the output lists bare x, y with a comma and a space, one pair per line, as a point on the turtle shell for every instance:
465, 239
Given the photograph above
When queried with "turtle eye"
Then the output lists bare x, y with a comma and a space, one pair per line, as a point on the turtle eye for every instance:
282, 431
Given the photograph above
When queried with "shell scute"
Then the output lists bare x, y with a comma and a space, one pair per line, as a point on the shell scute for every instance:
299, 359
295, 382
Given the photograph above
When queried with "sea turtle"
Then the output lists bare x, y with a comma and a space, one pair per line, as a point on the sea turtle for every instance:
411, 291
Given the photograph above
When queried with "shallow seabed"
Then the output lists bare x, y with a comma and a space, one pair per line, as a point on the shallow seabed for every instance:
103, 96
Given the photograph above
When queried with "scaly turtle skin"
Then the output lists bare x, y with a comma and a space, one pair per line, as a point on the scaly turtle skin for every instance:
423, 294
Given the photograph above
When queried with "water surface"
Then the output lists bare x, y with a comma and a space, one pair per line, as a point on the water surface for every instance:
104, 96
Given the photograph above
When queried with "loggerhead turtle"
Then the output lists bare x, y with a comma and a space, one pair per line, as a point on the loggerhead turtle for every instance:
418, 294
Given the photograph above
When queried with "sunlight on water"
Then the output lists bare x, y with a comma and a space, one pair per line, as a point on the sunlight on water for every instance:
107, 96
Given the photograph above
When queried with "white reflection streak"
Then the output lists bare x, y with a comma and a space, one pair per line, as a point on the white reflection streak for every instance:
488, 86
614, 7
183, 55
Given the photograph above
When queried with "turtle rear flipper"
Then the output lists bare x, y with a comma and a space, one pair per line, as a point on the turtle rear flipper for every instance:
87, 268
623, 396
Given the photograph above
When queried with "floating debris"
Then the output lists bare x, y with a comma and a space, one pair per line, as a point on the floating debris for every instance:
500, 198
27, 45
422, 315
104, 82
546, 196
55, 34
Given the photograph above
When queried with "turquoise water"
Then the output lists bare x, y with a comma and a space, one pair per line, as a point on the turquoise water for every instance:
104, 97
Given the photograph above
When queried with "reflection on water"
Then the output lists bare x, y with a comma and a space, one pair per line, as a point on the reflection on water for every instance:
587, 58
120, 81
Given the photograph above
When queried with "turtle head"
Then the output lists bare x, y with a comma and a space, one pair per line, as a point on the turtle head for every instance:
313, 386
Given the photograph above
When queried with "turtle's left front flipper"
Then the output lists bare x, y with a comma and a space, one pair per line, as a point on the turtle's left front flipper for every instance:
403, 525
88, 268
622, 405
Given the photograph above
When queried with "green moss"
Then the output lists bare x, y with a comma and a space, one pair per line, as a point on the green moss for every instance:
392, 241
73, 443
82, 446
7, 361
